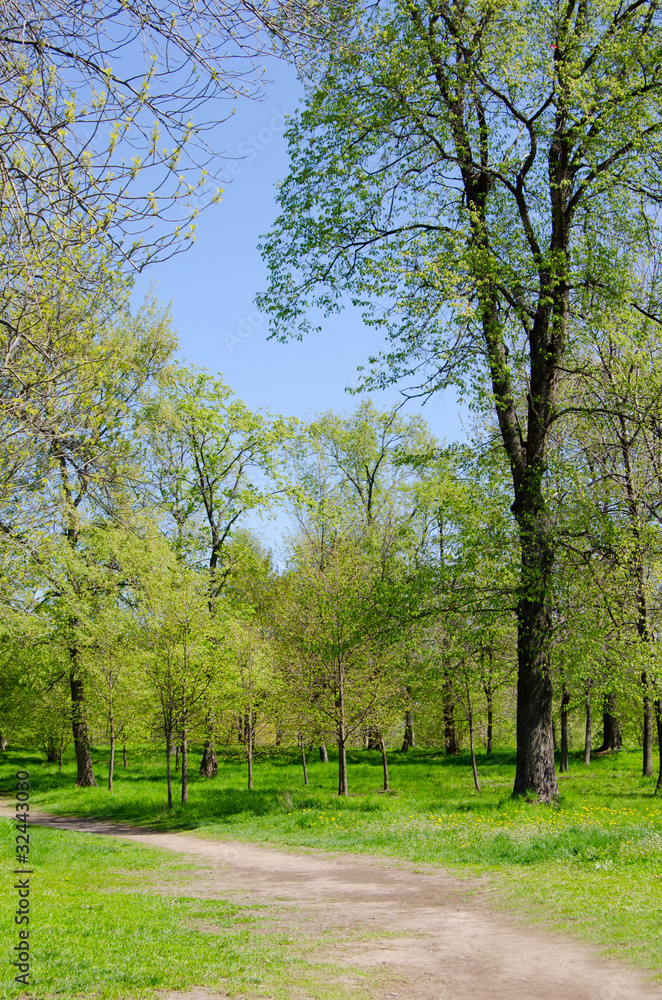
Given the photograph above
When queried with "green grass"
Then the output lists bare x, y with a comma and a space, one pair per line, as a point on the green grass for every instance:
95, 932
590, 865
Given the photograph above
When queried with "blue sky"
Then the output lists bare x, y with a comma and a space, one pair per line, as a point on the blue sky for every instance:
212, 285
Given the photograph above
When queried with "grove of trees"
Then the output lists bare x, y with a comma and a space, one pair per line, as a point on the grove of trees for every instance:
483, 181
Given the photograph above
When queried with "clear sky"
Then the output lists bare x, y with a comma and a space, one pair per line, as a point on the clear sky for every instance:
212, 286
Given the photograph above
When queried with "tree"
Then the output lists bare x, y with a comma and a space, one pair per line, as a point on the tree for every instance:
335, 627
213, 462
471, 174
101, 128
179, 654
88, 464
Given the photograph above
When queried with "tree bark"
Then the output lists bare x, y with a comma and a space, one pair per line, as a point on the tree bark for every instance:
535, 769
610, 725
177, 757
342, 764
84, 768
209, 762
648, 730
184, 766
565, 701
589, 726
342, 734
472, 747
489, 698
373, 740
409, 739
324, 757
168, 772
384, 762
248, 733
124, 754
111, 766
51, 750
450, 735
303, 763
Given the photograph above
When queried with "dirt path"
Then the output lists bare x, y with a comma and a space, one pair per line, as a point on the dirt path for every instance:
418, 934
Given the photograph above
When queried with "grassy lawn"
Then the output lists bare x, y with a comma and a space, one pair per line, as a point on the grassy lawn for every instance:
96, 932
591, 865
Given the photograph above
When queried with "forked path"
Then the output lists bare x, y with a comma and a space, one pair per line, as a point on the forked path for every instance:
419, 935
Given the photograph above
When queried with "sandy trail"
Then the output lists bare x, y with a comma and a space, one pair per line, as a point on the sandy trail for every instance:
429, 938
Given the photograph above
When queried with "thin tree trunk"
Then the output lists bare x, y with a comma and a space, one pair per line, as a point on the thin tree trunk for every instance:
248, 731
124, 754
184, 766
177, 757
489, 697
324, 757
84, 768
303, 762
61, 754
342, 734
450, 735
111, 766
471, 740
589, 726
658, 719
384, 762
647, 769
3, 743
168, 772
342, 765
565, 701
409, 738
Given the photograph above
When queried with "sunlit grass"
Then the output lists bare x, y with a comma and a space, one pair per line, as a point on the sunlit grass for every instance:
590, 864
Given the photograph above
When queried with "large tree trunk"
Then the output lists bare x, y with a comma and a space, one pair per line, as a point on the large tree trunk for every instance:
535, 770
565, 701
409, 739
324, 757
209, 762
611, 727
373, 738
85, 770
51, 750
589, 726
450, 735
